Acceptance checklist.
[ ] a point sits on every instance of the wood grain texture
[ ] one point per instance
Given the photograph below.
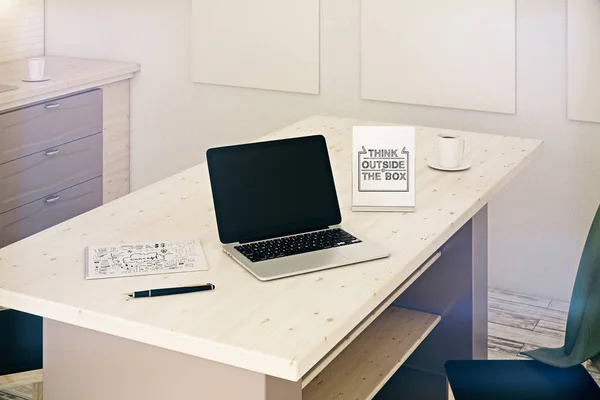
(516, 311)
(593, 370)
(527, 311)
(583, 81)
(37, 392)
(116, 148)
(551, 328)
(518, 298)
(22, 391)
(528, 347)
(381, 308)
(361, 370)
(434, 53)
(511, 319)
(499, 348)
(501, 355)
(21, 379)
(525, 336)
(69, 75)
(21, 29)
(503, 345)
(242, 323)
(559, 305)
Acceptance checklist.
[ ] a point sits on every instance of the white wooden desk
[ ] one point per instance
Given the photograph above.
(302, 337)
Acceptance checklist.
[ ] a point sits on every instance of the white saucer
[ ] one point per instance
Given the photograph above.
(44, 79)
(462, 167)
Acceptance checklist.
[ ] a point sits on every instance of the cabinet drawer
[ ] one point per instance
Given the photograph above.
(33, 177)
(42, 214)
(35, 128)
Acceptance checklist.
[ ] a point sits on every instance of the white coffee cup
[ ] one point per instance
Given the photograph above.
(451, 150)
(37, 68)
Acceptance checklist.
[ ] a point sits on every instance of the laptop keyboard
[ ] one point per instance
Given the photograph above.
(292, 245)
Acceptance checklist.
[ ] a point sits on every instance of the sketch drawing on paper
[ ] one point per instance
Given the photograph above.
(383, 170)
(144, 259)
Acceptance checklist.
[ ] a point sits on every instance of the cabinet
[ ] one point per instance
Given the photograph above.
(41, 214)
(51, 170)
(48, 152)
(41, 126)
(60, 167)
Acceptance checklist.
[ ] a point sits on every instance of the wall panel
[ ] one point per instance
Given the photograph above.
(265, 44)
(583, 60)
(456, 54)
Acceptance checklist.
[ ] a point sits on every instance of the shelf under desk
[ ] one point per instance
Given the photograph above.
(365, 366)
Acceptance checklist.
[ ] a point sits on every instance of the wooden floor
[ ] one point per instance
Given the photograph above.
(517, 323)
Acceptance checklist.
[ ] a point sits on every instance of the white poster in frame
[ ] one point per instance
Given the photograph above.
(456, 54)
(260, 44)
(383, 168)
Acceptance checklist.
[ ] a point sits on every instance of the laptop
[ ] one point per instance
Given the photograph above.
(277, 208)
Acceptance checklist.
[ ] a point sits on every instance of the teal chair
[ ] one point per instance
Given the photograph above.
(554, 373)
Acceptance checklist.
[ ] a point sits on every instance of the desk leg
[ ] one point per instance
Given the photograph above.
(479, 227)
(83, 364)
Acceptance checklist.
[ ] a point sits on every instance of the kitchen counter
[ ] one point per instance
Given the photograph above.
(68, 75)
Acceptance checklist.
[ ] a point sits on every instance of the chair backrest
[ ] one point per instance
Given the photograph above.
(583, 325)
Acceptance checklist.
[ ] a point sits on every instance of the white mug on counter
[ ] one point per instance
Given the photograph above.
(37, 68)
(451, 150)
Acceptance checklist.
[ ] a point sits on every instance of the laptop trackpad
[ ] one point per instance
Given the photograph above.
(317, 259)
(301, 263)
(329, 257)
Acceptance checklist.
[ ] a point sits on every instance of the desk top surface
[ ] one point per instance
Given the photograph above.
(67, 75)
(280, 328)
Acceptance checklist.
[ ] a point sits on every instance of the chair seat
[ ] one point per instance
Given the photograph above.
(518, 380)
(20, 342)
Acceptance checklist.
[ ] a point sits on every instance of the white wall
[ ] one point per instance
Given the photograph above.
(21, 29)
(538, 224)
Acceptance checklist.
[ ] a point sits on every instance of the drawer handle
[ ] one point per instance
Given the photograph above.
(51, 106)
(52, 152)
(52, 199)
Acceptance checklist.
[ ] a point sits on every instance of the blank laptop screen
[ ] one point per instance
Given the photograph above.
(270, 189)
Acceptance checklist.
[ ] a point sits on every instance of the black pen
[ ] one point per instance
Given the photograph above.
(171, 291)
